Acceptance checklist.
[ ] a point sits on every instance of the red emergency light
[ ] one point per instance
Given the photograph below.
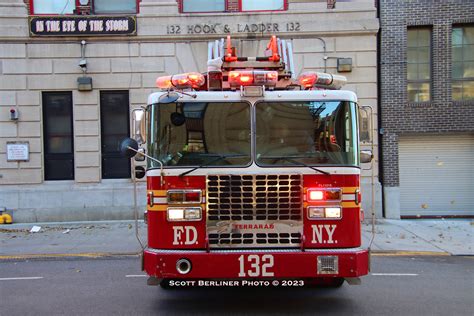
(312, 79)
(324, 195)
(252, 78)
(181, 81)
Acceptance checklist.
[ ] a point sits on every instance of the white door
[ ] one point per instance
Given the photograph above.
(436, 175)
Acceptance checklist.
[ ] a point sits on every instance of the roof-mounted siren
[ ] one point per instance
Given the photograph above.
(313, 79)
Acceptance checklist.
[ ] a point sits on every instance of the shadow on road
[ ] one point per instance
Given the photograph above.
(244, 300)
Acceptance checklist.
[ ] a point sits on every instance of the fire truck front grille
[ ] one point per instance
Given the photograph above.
(254, 197)
(226, 239)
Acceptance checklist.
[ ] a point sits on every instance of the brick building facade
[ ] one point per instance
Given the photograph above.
(418, 175)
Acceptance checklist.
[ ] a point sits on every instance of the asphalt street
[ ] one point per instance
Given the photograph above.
(397, 285)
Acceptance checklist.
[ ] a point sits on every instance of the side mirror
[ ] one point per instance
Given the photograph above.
(129, 147)
(366, 156)
(139, 125)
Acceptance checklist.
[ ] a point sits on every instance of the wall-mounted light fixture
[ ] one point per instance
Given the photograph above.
(84, 84)
(344, 64)
(14, 113)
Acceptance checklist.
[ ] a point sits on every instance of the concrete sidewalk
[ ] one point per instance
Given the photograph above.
(94, 239)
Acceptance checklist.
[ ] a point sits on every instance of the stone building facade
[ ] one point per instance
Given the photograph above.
(427, 107)
(69, 171)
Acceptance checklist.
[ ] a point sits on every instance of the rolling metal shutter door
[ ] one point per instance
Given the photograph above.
(436, 175)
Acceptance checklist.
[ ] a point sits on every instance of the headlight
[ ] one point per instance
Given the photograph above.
(333, 212)
(324, 212)
(184, 214)
(316, 212)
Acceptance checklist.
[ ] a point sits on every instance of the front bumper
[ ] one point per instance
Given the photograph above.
(251, 264)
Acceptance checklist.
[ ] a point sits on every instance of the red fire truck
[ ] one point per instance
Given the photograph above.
(252, 173)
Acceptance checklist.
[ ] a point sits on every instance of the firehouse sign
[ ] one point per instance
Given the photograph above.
(82, 25)
(18, 151)
(219, 28)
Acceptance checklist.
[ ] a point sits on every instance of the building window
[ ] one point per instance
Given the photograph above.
(203, 5)
(463, 63)
(114, 121)
(95, 6)
(116, 6)
(53, 7)
(263, 5)
(193, 6)
(58, 136)
(419, 65)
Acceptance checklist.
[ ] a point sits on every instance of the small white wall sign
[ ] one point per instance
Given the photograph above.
(18, 151)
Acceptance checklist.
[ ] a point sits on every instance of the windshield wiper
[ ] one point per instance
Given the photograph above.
(218, 158)
(290, 159)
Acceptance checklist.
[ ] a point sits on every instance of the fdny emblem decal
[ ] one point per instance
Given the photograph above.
(185, 235)
(323, 234)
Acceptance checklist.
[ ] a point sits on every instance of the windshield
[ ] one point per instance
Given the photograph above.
(308, 132)
(199, 134)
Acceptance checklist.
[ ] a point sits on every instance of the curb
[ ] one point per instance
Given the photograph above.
(94, 255)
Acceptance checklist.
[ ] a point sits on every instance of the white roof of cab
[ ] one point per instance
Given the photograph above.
(278, 95)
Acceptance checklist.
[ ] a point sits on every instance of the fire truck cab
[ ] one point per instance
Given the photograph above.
(252, 173)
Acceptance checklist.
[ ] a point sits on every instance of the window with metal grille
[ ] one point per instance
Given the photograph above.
(463, 63)
(114, 121)
(419, 64)
(58, 136)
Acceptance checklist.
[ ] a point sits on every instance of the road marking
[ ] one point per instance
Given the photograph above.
(136, 275)
(388, 253)
(93, 255)
(22, 278)
(395, 274)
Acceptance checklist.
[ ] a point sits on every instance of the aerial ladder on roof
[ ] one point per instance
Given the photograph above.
(278, 56)
(222, 58)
